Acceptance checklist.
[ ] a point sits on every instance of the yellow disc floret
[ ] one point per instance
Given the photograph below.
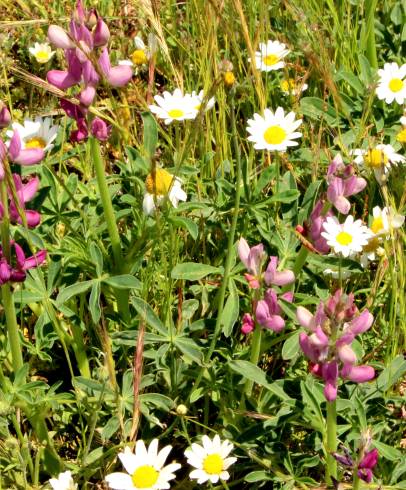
(175, 113)
(377, 224)
(229, 78)
(159, 183)
(396, 84)
(270, 59)
(376, 158)
(401, 137)
(213, 464)
(36, 142)
(274, 135)
(144, 476)
(344, 238)
(139, 57)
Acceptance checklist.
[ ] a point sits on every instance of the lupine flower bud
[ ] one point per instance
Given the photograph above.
(5, 117)
(100, 129)
(248, 324)
(59, 37)
(101, 34)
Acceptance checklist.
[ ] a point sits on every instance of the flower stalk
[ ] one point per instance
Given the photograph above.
(331, 443)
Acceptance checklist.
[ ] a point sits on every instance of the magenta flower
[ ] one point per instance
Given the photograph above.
(336, 318)
(17, 272)
(5, 117)
(100, 129)
(315, 227)
(28, 156)
(248, 324)
(253, 259)
(268, 312)
(272, 276)
(342, 183)
(25, 192)
(367, 464)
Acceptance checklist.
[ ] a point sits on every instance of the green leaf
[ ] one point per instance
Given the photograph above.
(316, 108)
(287, 196)
(124, 281)
(149, 315)
(73, 290)
(160, 401)
(352, 80)
(391, 374)
(231, 310)
(291, 346)
(256, 476)
(186, 223)
(189, 348)
(150, 139)
(311, 403)
(191, 271)
(388, 452)
(366, 74)
(97, 258)
(94, 302)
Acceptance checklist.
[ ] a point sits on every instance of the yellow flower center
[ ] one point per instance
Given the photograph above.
(401, 137)
(270, 59)
(36, 142)
(213, 464)
(396, 84)
(344, 238)
(160, 183)
(139, 57)
(229, 78)
(288, 85)
(377, 224)
(42, 56)
(274, 135)
(144, 476)
(376, 158)
(175, 113)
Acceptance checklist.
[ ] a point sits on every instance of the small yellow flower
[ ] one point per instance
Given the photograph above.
(42, 52)
(229, 78)
(139, 57)
(401, 137)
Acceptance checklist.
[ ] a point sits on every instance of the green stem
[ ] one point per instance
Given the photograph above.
(230, 245)
(331, 443)
(7, 295)
(370, 7)
(255, 353)
(121, 295)
(356, 482)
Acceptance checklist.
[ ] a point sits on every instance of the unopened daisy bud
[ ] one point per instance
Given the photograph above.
(59, 37)
(225, 65)
(5, 117)
(181, 410)
(229, 78)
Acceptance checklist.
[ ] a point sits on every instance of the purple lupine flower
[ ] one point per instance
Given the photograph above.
(25, 192)
(342, 183)
(315, 227)
(367, 464)
(100, 129)
(279, 278)
(253, 259)
(5, 117)
(28, 156)
(268, 312)
(248, 324)
(17, 272)
(339, 318)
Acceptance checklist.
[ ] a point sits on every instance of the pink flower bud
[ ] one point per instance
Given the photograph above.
(304, 317)
(361, 374)
(247, 324)
(59, 37)
(100, 129)
(120, 75)
(101, 34)
(87, 95)
(361, 323)
(5, 117)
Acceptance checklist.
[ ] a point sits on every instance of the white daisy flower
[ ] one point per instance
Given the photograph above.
(385, 220)
(164, 184)
(63, 482)
(291, 87)
(391, 84)
(371, 251)
(346, 238)
(145, 468)
(198, 99)
(379, 159)
(126, 63)
(270, 56)
(35, 134)
(274, 131)
(403, 120)
(42, 52)
(174, 107)
(210, 459)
